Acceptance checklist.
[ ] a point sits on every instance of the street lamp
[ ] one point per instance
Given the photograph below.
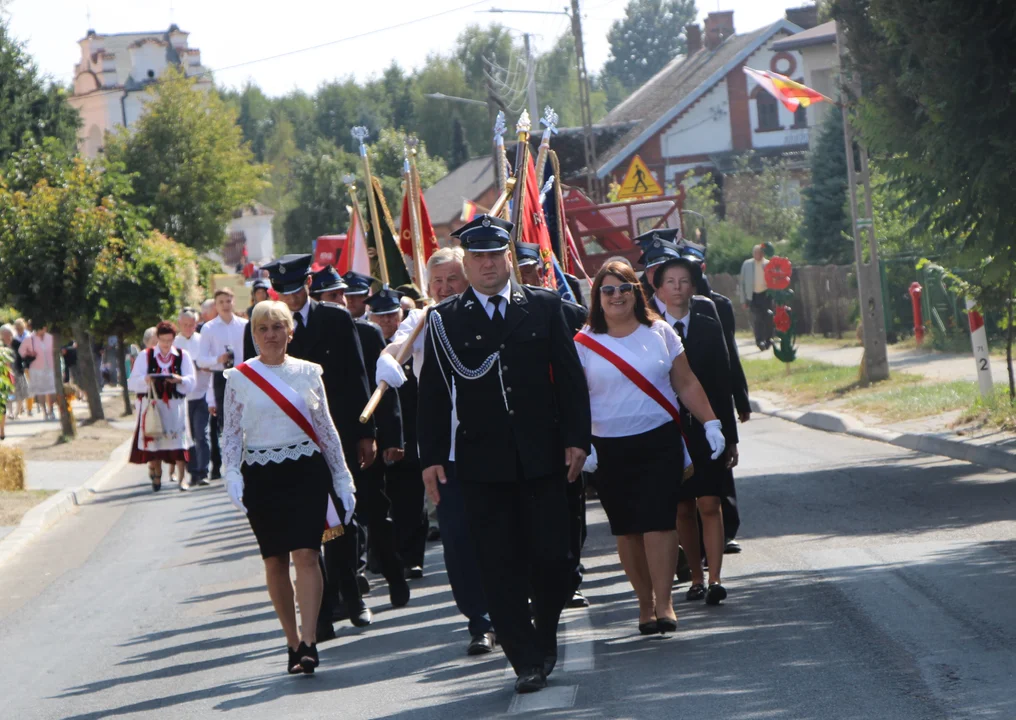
(452, 98)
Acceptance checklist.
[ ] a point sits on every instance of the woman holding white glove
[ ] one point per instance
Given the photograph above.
(285, 470)
(634, 364)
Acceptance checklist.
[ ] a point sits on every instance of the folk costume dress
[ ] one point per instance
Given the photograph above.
(639, 446)
(286, 475)
(174, 445)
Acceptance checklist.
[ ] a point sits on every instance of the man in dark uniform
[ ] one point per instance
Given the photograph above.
(508, 363)
(325, 334)
(373, 504)
(531, 270)
(258, 292)
(328, 286)
(403, 477)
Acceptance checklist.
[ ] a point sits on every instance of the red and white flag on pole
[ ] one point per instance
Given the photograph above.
(354, 254)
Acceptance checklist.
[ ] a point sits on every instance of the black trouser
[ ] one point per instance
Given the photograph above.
(521, 533)
(215, 429)
(728, 502)
(761, 320)
(338, 565)
(372, 511)
(404, 483)
(577, 527)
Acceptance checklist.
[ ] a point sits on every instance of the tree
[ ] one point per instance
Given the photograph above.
(826, 226)
(651, 34)
(189, 160)
(31, 107)
(51, 237)
(759, 201)
(460, 146)
(387, 155)
(322, 197)
(558, 84)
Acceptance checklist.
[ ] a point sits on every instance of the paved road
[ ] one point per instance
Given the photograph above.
(875, 583)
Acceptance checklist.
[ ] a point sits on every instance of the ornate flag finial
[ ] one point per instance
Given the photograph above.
(550, 120)
(360, 134)
(412, 141)
(524, 125)
(500, 128)
(349, 179)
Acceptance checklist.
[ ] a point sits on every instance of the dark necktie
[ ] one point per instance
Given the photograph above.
(496, 316)
(679, 326)
(299, 322)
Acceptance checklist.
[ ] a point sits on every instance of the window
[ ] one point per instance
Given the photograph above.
(768, 112)
(801, 117)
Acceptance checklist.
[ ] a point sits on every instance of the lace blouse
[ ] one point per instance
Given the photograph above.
(256, 431)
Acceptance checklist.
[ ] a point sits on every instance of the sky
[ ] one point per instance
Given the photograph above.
(247, 34)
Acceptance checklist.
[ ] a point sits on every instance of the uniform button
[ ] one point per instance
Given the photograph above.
(467, 343)
(502, 346)
(507, 389)
(534, 334)
(511, 412)
(504, 368)
(479, 337)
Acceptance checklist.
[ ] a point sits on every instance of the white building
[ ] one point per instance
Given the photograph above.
(250, 229)
(111, 79)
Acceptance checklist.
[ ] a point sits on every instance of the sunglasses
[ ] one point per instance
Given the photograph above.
(623, 288)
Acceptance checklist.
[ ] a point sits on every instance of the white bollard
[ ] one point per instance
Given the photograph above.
(979, 341)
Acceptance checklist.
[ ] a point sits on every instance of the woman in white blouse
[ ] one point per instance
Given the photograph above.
(169, 373)
(282, 456)
(637, 440)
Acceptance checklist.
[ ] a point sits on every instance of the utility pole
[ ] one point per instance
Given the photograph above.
(592, 182)
(874, 363)
(531, 79)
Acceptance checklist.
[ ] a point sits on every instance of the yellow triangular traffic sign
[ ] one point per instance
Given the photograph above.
(638, 182)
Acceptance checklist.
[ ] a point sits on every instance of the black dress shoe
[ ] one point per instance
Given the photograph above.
(666, 625)
(361, 617)
(325, 632)
(216, 475)
(414, 573)
(308, 657)
(695, 592)
(578, 600)
(481, 644)
(398, 592)
(715, 594)
(649, 628)
(731, 548)
(293, 667)
(531, 680)
(339, 612)
(363, 584)
(549, 663)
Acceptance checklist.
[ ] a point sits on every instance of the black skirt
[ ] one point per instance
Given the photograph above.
(711, 477)
(287, 502)
(638, 478)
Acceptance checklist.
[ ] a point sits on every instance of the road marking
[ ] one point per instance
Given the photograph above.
(551, 698)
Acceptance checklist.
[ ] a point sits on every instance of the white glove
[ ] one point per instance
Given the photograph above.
(591, 460)
(234, 487)
(714, 436)
(348, 499)
(389, 371)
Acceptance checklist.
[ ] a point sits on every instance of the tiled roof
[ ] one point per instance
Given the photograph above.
(469, 180)
(823, 34)
(676, 86)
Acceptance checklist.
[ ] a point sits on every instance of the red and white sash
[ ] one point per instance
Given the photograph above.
(291, 403)
(613, 356)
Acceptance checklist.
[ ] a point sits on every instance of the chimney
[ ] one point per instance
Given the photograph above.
(805, 16)
(693, 33)
(719, 26)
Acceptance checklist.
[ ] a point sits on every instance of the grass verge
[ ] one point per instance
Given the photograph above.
(997, 411)
(15, 503)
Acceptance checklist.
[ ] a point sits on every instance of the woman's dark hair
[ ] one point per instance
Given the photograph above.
(623, 272)
(165, 328)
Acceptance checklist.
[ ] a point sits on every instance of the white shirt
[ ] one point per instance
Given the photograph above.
(488, 306)
(671, 320)
(203, 378)
(618, 407)
(760, 276)
(215, 336)
(406, 328)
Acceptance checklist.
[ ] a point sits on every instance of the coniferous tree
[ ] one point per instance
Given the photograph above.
(826, 216)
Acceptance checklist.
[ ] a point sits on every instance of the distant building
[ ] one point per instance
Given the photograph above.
(111, 79)
(249, 236)
(473, 180)
(700, 112)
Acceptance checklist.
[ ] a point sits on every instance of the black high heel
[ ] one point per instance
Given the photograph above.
(650, 628)
(666, 625)
(308, 657)
(294, 667)
(156, 479)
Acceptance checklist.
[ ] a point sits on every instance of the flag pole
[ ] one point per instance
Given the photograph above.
(415, 217)
(549, 122)
(522, 127)
(360, 134)
(559, 206)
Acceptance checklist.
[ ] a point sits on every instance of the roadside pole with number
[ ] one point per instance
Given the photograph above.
(979, 341)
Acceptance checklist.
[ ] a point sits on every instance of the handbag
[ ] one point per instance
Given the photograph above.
(27, 360)
(151, 421)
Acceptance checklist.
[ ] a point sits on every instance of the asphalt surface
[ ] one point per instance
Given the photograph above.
(874, 583)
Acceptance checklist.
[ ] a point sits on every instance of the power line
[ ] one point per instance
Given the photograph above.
(288, 53)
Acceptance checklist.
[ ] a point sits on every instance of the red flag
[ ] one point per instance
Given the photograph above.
(534, 226)
(354, 254)
(426, 231)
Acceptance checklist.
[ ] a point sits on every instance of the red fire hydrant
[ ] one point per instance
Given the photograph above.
(915, 298)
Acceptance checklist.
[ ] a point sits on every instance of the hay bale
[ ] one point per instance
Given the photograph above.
(12, 469)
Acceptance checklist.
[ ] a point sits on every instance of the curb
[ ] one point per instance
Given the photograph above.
(51, 511)
(919, 442)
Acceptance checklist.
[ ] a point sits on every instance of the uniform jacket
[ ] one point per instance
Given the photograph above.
(738, 382)
(331, 340)
(706, 350)
(544, 389)
(388, 416)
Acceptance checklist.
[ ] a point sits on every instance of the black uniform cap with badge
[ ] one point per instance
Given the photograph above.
(289, 273)
(385, 301)
(326, 280)
(260, 284)
(527, 253)
(664, 248)
(358, 283)
(484, 233)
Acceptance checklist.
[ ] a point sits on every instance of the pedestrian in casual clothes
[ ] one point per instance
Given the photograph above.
(167, 374)
(197, 404)
(7, 356)
(283, 458)
(754, 295)
(18, 369)
(635, 363)
(221, 347)
(37, 351)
